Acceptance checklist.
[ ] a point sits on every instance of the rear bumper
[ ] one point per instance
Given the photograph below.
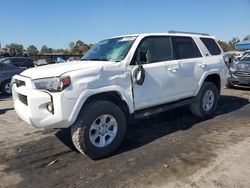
(31, 106)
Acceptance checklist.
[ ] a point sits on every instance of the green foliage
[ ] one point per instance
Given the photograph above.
(230, 45)
(32, 50)
(15, 49)
(45, 49)
(78, 47)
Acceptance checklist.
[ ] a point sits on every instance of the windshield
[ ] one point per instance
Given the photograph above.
(114, 49)
(245, 57)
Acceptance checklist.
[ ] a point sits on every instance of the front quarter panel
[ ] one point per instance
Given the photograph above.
(99, 80)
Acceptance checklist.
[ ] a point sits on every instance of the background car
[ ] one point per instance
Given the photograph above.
(6, 73)
(40, 62)
(74, 59)
(240, 73)
(18, 61)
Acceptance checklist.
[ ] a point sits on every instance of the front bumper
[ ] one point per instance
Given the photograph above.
(239, 80)
(31, 105)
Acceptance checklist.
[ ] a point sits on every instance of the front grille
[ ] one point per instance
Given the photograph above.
(19, 83)
(23, 98)
(242, 74)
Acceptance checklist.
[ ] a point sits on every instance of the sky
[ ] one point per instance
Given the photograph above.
(56, 23)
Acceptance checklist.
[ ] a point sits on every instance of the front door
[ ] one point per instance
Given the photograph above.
(161, 73)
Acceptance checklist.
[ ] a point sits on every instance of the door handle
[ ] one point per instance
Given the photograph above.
(174, 67)
(202, 65)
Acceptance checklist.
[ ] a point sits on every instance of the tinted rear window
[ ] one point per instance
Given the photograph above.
(211, 45)
(185, 48)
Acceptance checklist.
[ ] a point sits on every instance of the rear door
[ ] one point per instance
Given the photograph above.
(191, 65)
(161, 73)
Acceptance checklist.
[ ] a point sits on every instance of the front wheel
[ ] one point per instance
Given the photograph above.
(99, 129)
(6, 87)
(207, 101)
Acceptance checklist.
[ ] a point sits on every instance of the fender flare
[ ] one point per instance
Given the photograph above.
(204, 76)
(91, 92)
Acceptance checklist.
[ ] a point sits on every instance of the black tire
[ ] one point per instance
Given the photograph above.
(80, 130)
(3, 87)
(197, 108)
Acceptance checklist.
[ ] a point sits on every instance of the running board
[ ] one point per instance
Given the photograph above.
(164, 107)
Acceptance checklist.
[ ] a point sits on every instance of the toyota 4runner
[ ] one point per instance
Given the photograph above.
(120, 79)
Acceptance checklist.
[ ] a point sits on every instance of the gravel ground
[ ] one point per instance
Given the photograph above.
(173, 149)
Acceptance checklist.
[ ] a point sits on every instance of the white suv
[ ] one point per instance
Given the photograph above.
(120, 79)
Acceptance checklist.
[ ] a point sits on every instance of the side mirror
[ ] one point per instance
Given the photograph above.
(138, 75)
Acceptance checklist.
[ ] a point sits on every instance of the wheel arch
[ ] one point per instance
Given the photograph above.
(213, 77)
(111, 95)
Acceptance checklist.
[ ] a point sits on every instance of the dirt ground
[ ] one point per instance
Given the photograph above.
(173, 149)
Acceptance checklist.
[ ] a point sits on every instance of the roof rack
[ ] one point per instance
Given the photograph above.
(183, 32)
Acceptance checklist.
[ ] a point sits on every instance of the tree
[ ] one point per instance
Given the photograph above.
(233, 42)
(246, 38)
(230, 46)
(71, 46)
(32, 50)
(79, 47)
(224, 46)
(45, 49)
(15, 49)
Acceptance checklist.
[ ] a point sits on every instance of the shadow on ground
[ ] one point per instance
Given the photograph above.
(50, 161)
(147, 130)
(4, 97)
(4, 110)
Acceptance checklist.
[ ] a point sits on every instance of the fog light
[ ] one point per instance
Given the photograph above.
(50, 107)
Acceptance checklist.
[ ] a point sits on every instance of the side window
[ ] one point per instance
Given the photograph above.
(6, 61)
(186, 48)
(211, 45)
(29, 63)
(155, 49)
(19, 62)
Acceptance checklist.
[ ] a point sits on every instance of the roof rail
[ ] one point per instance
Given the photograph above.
(183, 32)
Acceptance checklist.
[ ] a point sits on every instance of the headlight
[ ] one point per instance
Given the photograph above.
(55, 84)
(232, 69)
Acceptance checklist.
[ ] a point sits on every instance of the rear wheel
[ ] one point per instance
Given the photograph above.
(99, 129)
(207, 101)
(6, 87)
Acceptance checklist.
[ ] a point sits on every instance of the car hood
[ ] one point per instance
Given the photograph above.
(61, 68)
(242, 66)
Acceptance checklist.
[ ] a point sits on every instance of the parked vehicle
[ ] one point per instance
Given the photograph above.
(74, 59)
(121, 79)
(60, 59)
(6, 73)
(18, 61)
(40, 62)
(240, 73)
(241, 55)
